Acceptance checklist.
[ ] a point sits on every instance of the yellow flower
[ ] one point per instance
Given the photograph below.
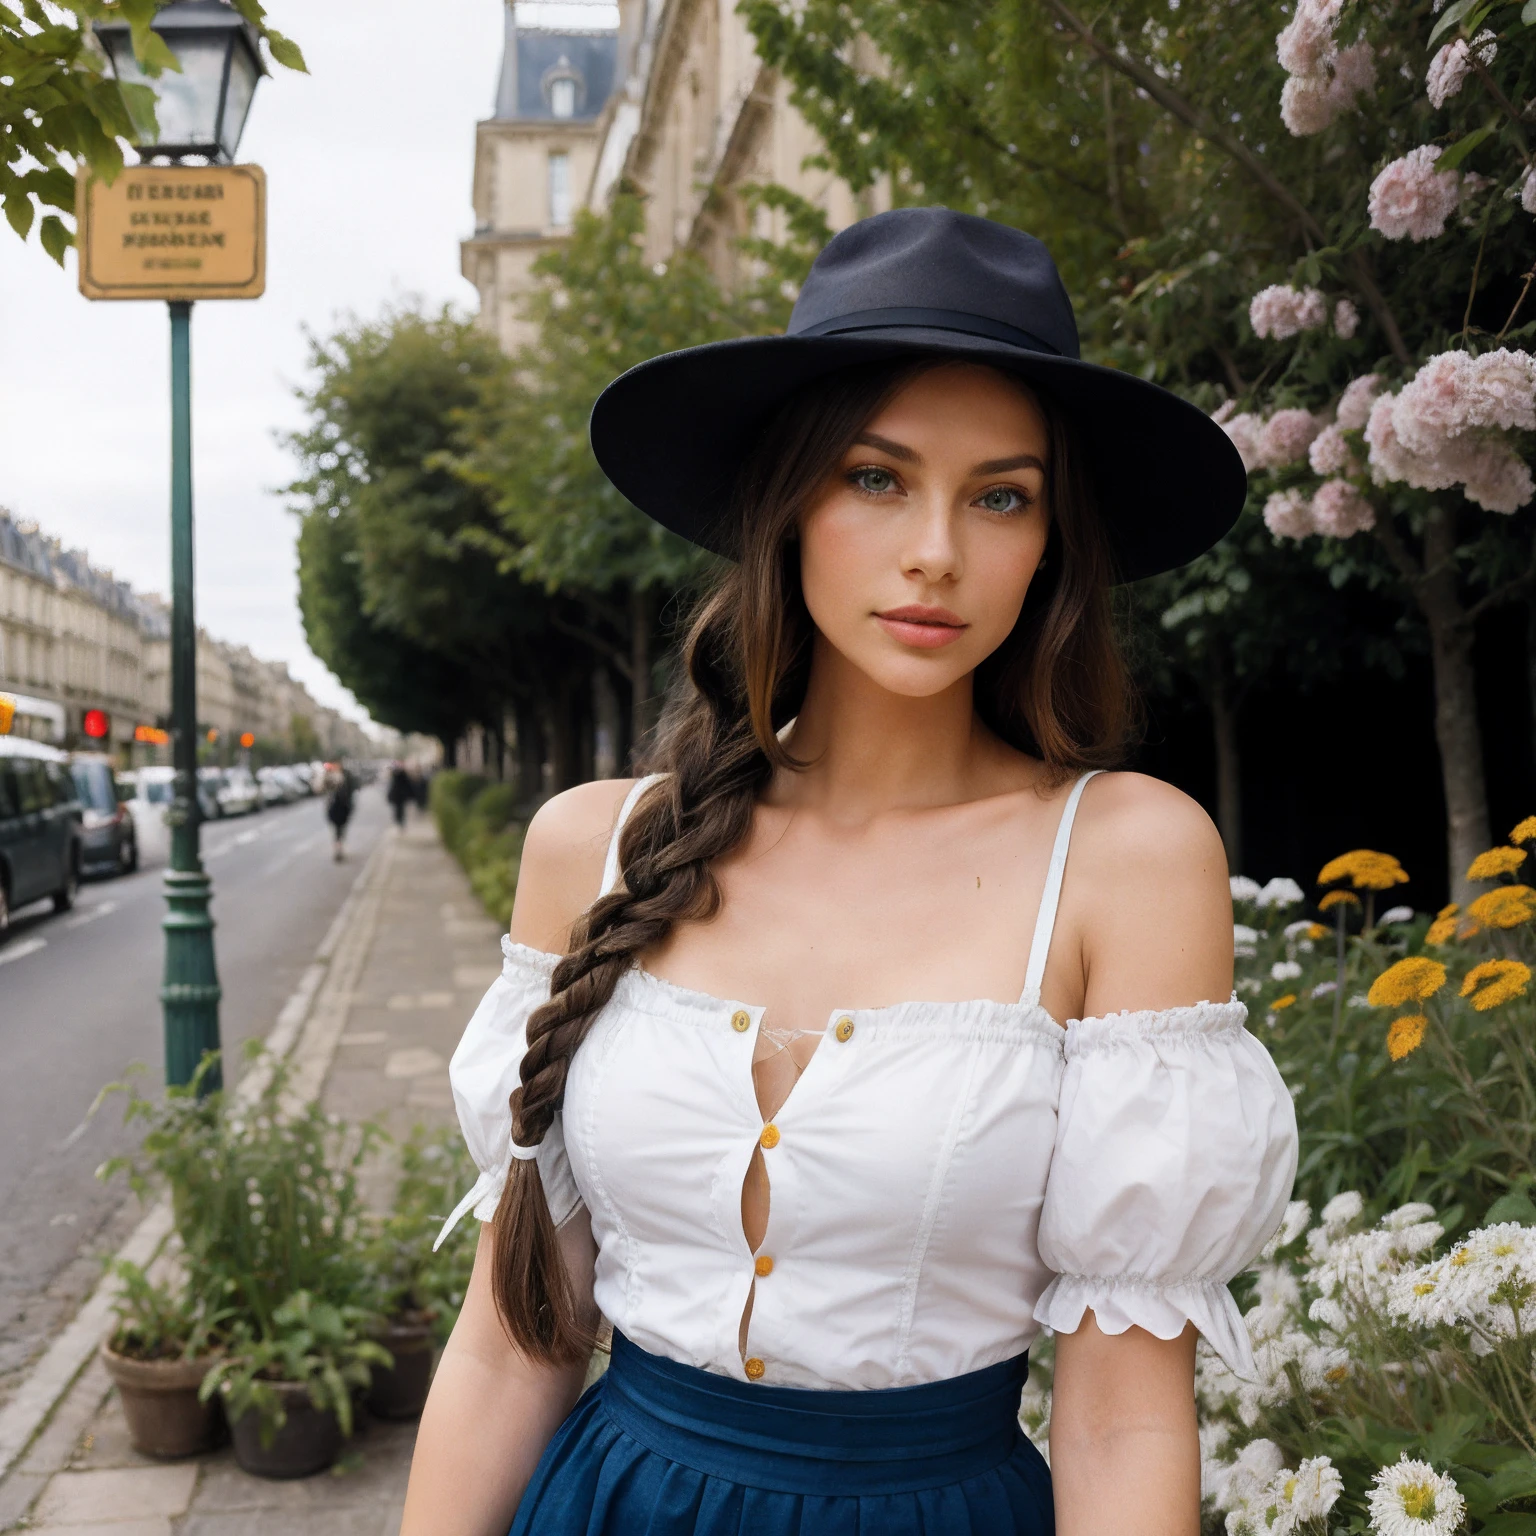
(1525, 832)
(1317, 931)
(1441, 931)
(1496, 862)
(1449, 910)
(1499, 981)
(1283, 1002)
(1406, 1035)
(1365, 869)
(1407, 981)
(1507, 906)
(1339, 899)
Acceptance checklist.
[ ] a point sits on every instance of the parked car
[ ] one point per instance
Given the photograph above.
(149, 793)
(109, 838)
(209, 782)
(239, 794)
(40, 832)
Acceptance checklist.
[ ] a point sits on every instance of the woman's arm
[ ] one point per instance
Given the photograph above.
(1148, 899)
(1125, 1454)
(491, 1412)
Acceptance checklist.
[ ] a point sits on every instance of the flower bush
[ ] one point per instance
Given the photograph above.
(1393, 1315)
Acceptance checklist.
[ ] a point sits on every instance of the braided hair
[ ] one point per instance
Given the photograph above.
(1056, 687)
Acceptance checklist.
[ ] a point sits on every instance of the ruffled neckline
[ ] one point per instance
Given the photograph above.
(1077, 1035)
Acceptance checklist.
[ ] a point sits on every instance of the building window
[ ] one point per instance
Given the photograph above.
(559, 190)
(562, 97)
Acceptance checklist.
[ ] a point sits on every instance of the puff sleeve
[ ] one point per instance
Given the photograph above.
(1175, 1155)
(483, 1073)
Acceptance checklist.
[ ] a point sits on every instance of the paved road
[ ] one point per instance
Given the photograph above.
(79, 1004)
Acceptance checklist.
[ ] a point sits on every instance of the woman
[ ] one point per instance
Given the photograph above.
(338, 810)
(825, 1221)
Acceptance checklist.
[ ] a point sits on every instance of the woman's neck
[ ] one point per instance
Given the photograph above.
(871, 750)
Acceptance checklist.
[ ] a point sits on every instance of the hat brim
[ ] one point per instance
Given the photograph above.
(672, 433)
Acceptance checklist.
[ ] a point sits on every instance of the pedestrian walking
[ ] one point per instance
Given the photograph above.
(400, 793)
(826, 1221)
(338, 809)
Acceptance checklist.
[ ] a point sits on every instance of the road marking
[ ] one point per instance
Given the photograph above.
(90, 914)
(246, 838)
(279, 864)
(22, 950)
(414, 1061)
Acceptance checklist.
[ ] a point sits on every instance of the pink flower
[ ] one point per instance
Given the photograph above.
(1288, 515)
(1354, 408)
(1286, 437)
(1433, 405)
(1306, 107)
(1330, 453)
(1528, 191)
(1498, 479)
(1244, 431)
(1500, 391)
(1339, 510)
(1346, 319)
(1305, 44)
(1410, 197)
(1354, 73)
(1279, 311)
(1450, 67)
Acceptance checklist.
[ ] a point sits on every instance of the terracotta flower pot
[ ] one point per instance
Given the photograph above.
(308, 1442)
(401, 1392)
(160, 1403)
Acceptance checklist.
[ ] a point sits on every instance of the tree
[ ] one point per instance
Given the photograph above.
(1228, 176)
(61, 108)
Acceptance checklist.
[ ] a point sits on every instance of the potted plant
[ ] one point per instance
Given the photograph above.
(264, 1193)
(164, 1344)
(418, 1292)
(288, 1394)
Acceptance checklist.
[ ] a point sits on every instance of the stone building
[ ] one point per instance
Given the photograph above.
(535, 157)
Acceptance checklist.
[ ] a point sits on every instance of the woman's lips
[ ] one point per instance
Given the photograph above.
(926, 628)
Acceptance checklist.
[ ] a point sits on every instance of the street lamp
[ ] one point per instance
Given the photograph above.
(200, 112)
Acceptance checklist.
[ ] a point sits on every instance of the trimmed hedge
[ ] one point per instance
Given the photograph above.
(475, 820)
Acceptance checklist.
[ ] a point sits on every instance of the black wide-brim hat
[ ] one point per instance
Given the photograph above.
(673, 432)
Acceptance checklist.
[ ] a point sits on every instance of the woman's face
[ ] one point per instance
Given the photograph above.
(916, 552)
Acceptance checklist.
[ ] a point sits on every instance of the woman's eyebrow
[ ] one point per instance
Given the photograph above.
(885, 445)
(1002, 466)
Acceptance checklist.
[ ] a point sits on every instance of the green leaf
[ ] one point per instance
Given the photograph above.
(1515, 1206)
(286, 52)
(19, 212)
(1463, 147)
(55, 236)
(1510, 1525)
(1452, 15)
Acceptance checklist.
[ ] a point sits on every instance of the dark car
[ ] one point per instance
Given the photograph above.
(109, 841)
(40, 832)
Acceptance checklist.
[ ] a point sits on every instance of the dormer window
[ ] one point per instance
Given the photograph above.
(564, 88)
(562, 96)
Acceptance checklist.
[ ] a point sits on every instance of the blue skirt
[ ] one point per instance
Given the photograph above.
(655, 1448)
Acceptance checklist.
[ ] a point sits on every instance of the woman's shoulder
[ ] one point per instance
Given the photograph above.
(561, 868)
(1144, 823)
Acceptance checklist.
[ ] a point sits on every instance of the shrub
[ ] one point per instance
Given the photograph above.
(476, 822)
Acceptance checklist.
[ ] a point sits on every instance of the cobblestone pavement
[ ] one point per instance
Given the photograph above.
(430, 956)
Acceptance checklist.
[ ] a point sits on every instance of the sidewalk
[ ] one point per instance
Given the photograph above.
(413, 957)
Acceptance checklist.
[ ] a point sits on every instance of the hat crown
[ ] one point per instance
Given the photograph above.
(937, 260)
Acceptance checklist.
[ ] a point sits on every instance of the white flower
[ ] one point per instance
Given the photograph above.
(1280, 892)
(1244, 889)
(1288, 515)
(1412, 1499)
(1315, 1488)
(1284, 970)
(1244, 939)
(1298, 929)
(1251, 1470)
(1397, 915)
(1345, 319)
(1297, 1214)
(1323, 988)
(1343, 1209)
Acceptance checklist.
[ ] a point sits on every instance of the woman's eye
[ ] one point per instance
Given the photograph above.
(1003, 498)
(875, 482)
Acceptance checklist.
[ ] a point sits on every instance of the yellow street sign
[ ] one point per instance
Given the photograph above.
(173, 232)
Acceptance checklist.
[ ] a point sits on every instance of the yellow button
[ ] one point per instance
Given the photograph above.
(741, 1021)
(770, 1136)
(844, 1030)
(764, 1265)
(755, 1369)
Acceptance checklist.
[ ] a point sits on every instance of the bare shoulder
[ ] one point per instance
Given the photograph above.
(562, 861)
(1147, 828)
(1148, 894)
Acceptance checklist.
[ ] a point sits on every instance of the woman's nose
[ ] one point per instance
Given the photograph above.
(932, 548)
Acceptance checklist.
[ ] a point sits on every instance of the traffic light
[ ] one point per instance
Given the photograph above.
(247, 740)
(97, 724)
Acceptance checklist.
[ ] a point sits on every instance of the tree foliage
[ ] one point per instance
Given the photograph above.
(61, 108)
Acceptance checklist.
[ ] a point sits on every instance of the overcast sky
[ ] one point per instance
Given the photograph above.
(368, 162)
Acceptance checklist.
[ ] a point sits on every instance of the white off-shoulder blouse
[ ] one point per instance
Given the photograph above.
(944, 1178)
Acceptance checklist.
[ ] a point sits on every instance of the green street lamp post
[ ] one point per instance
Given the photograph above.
(200, 113)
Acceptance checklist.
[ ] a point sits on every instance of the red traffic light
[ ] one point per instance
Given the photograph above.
(97, 724)
(247, 740)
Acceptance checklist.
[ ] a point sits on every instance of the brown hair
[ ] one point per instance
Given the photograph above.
(1056, 687)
